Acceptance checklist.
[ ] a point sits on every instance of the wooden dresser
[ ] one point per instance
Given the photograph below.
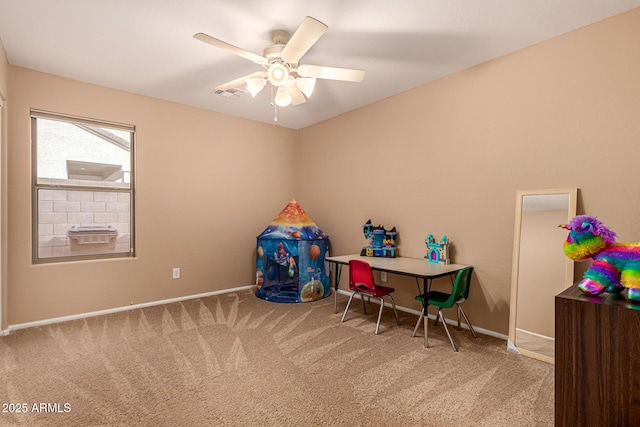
(597, 363)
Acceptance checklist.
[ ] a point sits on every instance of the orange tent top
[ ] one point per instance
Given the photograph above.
(293, 223)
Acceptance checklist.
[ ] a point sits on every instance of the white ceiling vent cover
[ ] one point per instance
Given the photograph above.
(229, 93)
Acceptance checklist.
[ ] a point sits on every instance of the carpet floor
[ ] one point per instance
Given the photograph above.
(236, 360)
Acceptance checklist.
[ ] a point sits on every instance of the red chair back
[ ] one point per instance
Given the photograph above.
(361, 276)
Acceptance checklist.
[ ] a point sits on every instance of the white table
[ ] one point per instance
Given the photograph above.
(419, 268)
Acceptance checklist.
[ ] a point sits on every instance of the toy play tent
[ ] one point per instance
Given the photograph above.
(290, 255)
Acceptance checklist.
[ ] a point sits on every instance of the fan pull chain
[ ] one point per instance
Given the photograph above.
(273, 102)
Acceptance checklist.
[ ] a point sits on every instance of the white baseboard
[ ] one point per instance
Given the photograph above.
(117, 310)
(433, 317)
(44, 322)
(512, 347)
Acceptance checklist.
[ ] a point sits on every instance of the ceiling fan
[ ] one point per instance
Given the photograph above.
(294, 82)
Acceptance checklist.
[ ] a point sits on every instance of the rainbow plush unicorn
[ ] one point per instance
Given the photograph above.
(615, 267)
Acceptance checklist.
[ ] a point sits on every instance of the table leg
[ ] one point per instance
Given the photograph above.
(426, 332)
(425, 305)
(336, 277)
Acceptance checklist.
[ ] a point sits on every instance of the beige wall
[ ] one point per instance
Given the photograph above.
(445, 158)
(448, 157)
(4, 72)
(207, 184)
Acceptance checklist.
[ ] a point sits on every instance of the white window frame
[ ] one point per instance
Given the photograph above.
(84, 187)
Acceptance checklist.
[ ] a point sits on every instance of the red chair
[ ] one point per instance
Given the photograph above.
(361, 282)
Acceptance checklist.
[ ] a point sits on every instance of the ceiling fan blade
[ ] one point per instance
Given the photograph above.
(301, 41)
(331, 73)
(240, 81)
(297, 97)
(230, 48)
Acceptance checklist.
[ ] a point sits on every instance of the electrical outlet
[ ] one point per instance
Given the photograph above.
(176, 273)
(383, 276)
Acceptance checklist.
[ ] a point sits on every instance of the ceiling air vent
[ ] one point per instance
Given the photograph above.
(229, 93)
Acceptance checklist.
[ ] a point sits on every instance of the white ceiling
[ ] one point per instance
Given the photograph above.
(147, 46)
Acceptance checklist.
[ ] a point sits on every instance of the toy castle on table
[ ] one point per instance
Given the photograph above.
(382, 242)
(437, 252)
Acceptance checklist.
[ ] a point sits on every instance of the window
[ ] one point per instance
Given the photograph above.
(83, 195)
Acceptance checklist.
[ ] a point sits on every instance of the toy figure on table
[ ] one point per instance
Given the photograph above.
(616, 266)
(382, 242)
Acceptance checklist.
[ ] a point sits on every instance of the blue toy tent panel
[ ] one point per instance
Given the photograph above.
(292, 270)
(290, 259)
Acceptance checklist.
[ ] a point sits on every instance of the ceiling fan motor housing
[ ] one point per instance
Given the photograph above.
(273, 53)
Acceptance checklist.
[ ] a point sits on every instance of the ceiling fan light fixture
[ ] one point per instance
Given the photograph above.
(282, 99)
(255, 85)
(277, 74)
(306, 85)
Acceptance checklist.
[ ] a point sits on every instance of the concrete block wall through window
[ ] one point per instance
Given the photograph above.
(83, 188)
(60, 210)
